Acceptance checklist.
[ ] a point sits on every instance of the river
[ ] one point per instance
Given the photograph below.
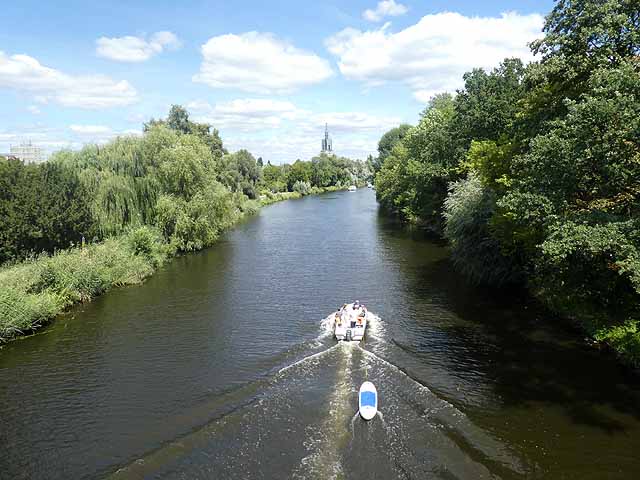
(220, 367)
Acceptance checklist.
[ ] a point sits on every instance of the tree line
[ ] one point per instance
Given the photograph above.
(532, 172)
(176, 178)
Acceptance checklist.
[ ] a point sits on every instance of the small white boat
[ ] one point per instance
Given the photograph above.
(368, 401)
(350, 322)
(352, 188)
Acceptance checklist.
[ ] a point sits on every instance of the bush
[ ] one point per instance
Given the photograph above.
(148, 242)
(467, 211)
(34, 291)
(303, 188)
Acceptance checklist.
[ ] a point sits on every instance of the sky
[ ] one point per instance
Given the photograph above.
(267, 75)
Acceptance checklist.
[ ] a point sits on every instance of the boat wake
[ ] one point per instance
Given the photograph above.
(413, 407)
(301, 421)
(308, 358)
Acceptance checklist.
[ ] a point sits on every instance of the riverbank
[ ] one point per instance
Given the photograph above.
(269, 197)
(34, 291)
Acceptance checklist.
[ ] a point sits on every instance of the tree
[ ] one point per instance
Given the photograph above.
(468, 208)
(430, 162)
(178, 119)
(387, 142)
(581, 36)
(323, 173)
(487, 107)
(300, 172)
(42, 208)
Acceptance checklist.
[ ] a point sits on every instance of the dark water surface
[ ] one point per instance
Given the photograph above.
(219, 367)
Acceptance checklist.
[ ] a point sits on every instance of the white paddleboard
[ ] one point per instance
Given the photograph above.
(368, 400)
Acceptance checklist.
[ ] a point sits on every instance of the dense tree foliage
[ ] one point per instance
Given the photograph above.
(322, 171)
(535, 170)
(42, 207)
(387, 142)
(176, 178)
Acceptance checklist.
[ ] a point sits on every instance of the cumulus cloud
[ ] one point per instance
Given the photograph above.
(26, 74)
(90, 129)
(385, 8)
(247, 114)
(355, 122)
(280, 131)
(83, 134)
(432, 55)
(136, 49)
(259, 63)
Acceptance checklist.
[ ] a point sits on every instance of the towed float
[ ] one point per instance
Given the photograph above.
(368, 401)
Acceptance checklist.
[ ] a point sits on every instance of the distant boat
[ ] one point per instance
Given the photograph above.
(369, 185)
(352, 188)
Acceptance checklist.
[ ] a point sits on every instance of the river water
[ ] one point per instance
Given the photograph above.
(220, 367)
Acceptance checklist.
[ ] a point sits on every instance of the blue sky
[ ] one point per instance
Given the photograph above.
(268, 75)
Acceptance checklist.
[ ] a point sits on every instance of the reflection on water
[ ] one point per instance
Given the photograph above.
(221, 367)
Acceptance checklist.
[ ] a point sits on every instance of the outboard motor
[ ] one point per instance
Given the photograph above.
(347, 337)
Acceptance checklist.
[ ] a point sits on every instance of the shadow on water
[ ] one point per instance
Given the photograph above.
(516, 370)
(540, 358)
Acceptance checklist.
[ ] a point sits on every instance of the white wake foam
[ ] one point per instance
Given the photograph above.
(307, 358)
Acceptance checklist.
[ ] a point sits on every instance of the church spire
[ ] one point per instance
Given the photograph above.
(327, 146)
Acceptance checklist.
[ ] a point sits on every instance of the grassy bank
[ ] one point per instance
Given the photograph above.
(268, 197)
(620, 334)
(34, 291)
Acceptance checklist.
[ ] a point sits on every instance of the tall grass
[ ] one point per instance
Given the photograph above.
(36, 290)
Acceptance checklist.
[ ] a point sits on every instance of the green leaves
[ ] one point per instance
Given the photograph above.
(551, 156)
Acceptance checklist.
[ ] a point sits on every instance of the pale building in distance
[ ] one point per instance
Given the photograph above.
(27, 152)
(327, 146)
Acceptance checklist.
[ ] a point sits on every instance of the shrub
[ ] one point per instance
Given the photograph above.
(303, 188)
(467, 211)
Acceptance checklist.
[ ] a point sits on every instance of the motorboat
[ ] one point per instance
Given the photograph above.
(350, 322)
(352, 188)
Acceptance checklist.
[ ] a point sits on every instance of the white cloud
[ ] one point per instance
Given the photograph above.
(34, 109)
(432, 55)
(90, 129)
(259, 63)
(98, 134)
(26, 74)
(136, 49)
(385, 8)
(355, 122)
(46, 138)
(247, 114)
(280, 131)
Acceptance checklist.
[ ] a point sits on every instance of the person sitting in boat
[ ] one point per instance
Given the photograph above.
(338, 319)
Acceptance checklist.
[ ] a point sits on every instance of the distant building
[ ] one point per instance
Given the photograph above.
(27, 152)
(327, 146)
